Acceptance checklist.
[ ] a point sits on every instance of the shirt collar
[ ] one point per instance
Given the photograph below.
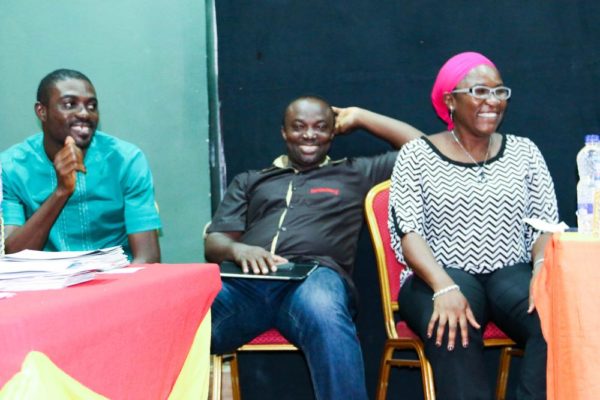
(283, 162)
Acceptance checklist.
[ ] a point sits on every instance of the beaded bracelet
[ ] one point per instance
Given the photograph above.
(445, 290)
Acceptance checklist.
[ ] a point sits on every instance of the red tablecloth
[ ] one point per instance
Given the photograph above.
(123, 336)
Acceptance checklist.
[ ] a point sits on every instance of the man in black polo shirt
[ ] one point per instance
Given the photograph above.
(303, 207)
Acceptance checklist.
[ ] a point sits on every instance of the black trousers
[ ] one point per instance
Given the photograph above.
(502, 297)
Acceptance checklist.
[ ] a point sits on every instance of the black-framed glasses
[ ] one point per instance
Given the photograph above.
(484, 92)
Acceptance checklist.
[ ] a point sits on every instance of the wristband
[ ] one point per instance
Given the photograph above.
(538, 262)
(445, 290)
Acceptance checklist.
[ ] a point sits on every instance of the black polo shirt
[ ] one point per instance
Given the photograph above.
(315, 214)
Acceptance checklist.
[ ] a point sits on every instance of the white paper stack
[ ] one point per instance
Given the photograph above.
(43, 270)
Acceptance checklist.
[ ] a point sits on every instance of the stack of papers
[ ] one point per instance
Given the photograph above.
(43, 270)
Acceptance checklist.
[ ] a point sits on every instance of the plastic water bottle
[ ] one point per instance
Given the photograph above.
(588, 161)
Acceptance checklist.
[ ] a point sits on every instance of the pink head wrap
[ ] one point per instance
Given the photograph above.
(451, 73)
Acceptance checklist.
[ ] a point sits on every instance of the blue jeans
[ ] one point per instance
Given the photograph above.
(315, 314)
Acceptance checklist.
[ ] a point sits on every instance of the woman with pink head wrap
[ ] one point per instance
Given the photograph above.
(457, 203)
(451, 73)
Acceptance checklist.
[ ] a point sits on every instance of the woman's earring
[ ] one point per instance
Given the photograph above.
(451, 114)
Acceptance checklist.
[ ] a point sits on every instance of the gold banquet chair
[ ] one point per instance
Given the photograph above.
(270, 340)
(399, 335)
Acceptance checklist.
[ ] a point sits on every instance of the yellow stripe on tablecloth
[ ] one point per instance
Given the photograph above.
(39, 378)
(193, 380)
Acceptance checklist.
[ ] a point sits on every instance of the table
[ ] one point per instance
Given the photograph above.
(120, 335)
(567, 297)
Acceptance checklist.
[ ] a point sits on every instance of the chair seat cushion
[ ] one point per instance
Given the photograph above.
(272, 336)
(404, 332)
(493, 332)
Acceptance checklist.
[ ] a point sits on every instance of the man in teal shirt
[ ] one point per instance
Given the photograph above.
(72, 187)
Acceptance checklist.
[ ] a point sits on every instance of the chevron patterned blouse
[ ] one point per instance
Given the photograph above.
(471, 225)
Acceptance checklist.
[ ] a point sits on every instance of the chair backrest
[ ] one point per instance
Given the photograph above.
(388, 267)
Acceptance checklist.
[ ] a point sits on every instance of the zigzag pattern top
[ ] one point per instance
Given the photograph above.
(472, 225)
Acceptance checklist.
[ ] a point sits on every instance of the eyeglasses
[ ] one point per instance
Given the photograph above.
(484, 92)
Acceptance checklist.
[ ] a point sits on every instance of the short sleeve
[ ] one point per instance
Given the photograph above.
(13, 210)
(377, 168)
(406, 202)
(231, 213)
(141, 213)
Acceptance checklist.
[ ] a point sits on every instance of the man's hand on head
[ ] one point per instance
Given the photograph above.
(346, 119)
(67, 162)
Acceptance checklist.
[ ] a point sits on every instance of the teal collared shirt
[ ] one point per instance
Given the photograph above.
(113, 199)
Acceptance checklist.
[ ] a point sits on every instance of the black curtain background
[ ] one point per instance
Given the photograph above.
(384, 55)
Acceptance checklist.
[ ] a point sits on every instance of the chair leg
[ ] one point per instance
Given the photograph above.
(503, 369)
(427, 376)
(217, 370)
(235, 378)
(384, 372)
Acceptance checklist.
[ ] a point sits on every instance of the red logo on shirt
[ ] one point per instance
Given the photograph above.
(335, 192)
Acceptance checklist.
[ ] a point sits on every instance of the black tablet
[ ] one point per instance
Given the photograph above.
(287, 271)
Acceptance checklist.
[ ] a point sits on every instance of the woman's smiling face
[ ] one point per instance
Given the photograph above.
(475, 116)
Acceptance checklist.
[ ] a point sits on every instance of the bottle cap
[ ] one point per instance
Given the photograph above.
(591, 139)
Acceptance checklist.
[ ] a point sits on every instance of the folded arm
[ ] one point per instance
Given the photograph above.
(34, 233)
(391, 130)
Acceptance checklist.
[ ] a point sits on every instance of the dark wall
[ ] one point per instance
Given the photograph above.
(384, 56)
